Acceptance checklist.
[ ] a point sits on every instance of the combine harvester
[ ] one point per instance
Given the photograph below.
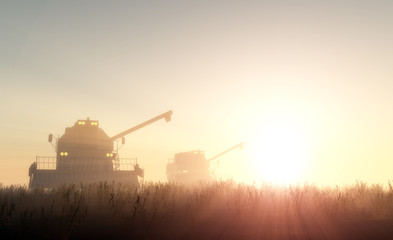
(86, 154)
(192, 166)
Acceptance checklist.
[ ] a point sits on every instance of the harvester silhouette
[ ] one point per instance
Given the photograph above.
(192, 166)
(86, 154)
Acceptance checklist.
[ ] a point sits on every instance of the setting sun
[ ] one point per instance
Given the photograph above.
(279, 153)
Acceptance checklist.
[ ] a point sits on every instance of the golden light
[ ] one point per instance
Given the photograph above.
(279, 152)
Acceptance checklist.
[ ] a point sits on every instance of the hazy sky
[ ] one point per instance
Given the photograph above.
(309, 75)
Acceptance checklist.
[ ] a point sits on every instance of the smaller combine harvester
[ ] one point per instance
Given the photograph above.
(86, 154)
(192, 166)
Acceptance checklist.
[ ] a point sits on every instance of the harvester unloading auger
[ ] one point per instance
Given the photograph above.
(192, 166)
(86, 154)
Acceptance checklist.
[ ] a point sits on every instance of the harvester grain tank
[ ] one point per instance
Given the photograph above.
(192, 166)
(86, 154)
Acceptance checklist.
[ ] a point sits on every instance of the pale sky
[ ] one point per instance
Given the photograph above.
(308, 80)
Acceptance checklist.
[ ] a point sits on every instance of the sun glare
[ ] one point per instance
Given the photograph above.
(278, 153)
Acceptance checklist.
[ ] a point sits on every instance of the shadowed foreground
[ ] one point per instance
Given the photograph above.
(206, 211)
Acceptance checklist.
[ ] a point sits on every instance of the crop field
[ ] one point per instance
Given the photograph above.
(216, 210)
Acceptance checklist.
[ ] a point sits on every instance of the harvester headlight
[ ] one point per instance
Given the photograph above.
(63, 153)
(109, 154)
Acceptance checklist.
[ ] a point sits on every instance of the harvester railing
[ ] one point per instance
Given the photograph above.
(45, 162)
(120, 164)
(124, 164)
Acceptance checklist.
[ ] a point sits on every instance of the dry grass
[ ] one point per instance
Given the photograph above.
(218, 210)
